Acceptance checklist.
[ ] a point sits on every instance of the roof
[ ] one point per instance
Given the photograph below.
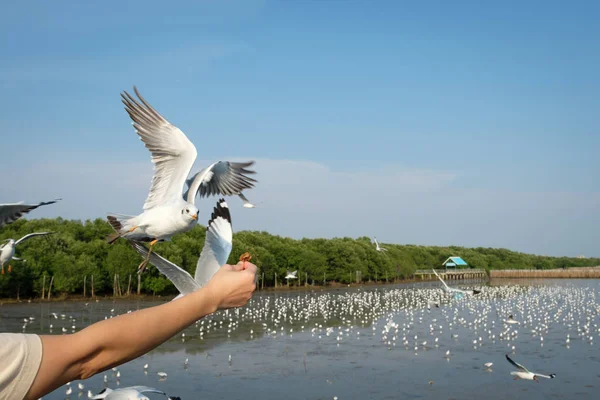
(454, 261)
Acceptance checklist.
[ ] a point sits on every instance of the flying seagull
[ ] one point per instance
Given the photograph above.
(452, 290)
(11, 212)
(128, 393)
(215, 252)
(377, 247)
(511, 321)
(166, 210)
(523, 373)
(291, 275)
(247, 203)
(7, 250)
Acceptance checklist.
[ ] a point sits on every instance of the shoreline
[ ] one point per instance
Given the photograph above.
(570, 273)
(283, 288)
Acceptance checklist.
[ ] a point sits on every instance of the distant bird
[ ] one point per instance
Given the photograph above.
(523, 373)
(452, 290)
(247, 203)
(511, 320)
(162, 374)
(166, 211)
(216, 250)
(377, 247)
(11, 212)
(128, 393)
(7, 250)
(488, 364)
(291, 275)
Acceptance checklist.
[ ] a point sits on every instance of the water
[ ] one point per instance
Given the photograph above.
(348, 343)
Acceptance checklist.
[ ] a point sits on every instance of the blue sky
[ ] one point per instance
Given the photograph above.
(426, 122)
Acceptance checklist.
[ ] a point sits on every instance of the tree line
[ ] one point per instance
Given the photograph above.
(78, 249)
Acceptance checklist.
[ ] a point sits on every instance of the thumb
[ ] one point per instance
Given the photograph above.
(238, 267)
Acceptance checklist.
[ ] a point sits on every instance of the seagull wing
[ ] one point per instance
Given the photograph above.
(147, 389)
(173, 154)
(516, 364)
(440, 278)
(13, 211)
(102, 394)
(217, 245)
(27, 237)
(182, 280)
(551, 376)
(221, 178)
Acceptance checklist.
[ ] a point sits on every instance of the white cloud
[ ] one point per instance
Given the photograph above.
(306, 198)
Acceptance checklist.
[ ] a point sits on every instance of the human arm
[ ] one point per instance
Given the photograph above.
(114, 341)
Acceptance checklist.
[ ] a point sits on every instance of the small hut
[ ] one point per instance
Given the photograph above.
(454, 262)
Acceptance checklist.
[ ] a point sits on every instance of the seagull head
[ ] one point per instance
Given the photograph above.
(190, 213)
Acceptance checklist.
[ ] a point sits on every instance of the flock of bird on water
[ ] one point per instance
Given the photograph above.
(166, 213)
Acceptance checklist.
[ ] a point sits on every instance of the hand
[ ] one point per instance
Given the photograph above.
(232, 285)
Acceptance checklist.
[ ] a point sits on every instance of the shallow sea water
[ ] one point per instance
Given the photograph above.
(339, 343)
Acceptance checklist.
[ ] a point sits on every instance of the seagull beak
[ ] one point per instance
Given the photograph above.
(195, 217)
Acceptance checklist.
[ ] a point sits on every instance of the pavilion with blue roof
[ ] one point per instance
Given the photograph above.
(454, 262)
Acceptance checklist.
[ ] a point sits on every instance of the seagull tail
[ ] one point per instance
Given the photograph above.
(476, 291)
(120, 224)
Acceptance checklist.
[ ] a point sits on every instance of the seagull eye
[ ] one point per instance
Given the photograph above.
(187, 210)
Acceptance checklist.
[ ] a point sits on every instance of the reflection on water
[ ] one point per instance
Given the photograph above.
(355, 343)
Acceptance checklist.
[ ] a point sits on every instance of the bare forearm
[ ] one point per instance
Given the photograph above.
(115, 341)
(123, 338)
(120, 339)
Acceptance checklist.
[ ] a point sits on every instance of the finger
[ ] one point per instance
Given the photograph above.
(239, 266)
(251, 267)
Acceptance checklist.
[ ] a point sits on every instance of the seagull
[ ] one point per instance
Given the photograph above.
(132, 392)
(488, 364)
(291, 275)
(523, 373)
(247, 203)
(217, 246)
(7, 250)
(449, 289)
(166, 210)
(11, 212)
(511, 321)
(377, 247)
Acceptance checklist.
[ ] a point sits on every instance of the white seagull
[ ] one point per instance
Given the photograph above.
(377, 247)
(247, 203)
(452, 290)
(166, 210)
(511, 321)
(11, 212)
(7, 250)
(291, 275)
(523, 373)
(216, 250)
(128, 393)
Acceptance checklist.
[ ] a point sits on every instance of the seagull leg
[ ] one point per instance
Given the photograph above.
(2, 273)
(9, 268)
(144, 263)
